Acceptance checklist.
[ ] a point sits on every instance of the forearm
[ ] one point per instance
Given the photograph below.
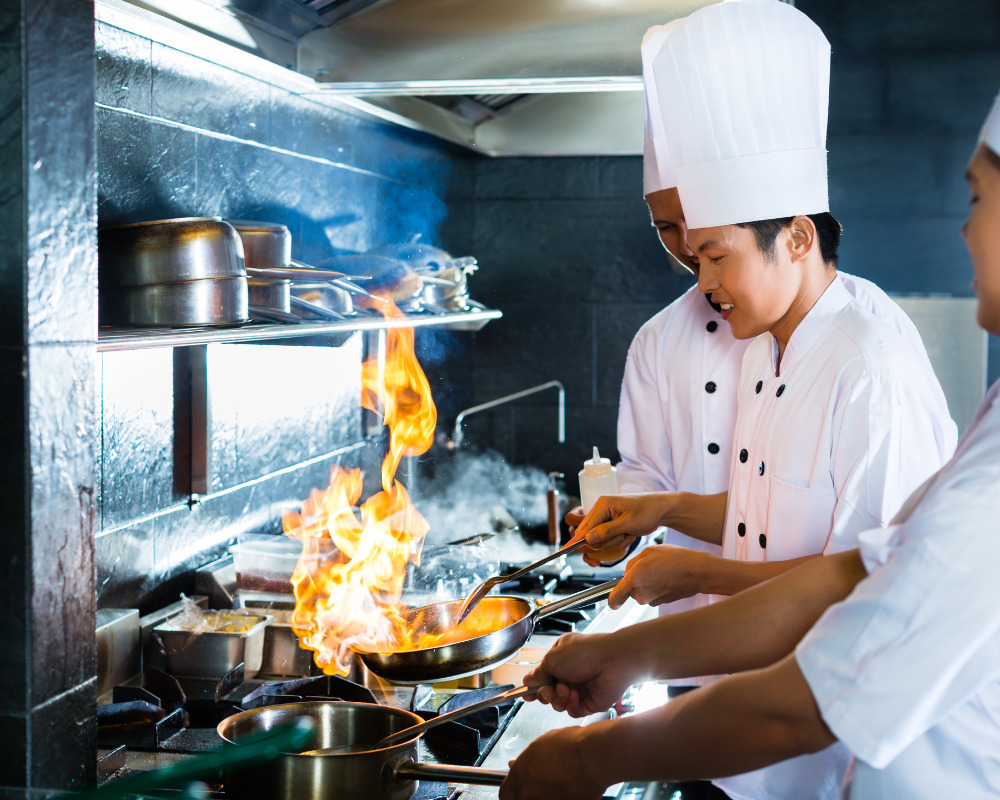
(724, 576)
(750, 630)
(701, 516)
(738, 724)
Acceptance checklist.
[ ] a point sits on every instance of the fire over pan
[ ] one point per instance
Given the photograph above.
(355, 765)
(511, 620)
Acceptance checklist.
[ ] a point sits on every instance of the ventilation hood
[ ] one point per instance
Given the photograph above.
(503, 77)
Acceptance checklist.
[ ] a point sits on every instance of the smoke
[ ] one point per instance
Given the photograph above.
(478, 492)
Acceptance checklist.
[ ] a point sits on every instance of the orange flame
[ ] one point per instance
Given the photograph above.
(350, 575)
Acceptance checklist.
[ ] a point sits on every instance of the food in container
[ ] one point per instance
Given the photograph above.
(265, 563)
(212, 643)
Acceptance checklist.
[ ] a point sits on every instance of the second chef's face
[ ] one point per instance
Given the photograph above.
(758, 291)
(668, 218)
(981, 232)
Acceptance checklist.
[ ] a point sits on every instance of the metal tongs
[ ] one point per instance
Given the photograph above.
(484, 588)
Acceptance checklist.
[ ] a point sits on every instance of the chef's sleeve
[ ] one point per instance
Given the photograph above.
(920, 635)
(886, 441)
(646, 460)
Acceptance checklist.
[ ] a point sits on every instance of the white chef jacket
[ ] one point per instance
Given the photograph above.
(679, 397)
(906, 671)
(678, 408)
(828, 448)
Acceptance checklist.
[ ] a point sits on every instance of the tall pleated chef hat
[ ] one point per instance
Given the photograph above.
(990, 134)
(657, 171)
(747, 84)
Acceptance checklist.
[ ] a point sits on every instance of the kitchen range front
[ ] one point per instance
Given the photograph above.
(350, 617)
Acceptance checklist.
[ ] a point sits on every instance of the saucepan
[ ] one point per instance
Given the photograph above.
(464, 649)
(354, 764)
(267, 247)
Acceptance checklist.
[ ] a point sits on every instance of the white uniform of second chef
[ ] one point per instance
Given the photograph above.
(906, 671)
(828, 445)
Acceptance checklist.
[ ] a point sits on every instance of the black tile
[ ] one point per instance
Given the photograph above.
(537, 178)
(61, 199)
(124, 71)
(125, 565)
(13, 479)
(618, 325)
(69, 720)
(62, 440)
(207, 96)
(14, 754)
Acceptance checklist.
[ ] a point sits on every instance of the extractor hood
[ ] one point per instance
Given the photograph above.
(498, 76)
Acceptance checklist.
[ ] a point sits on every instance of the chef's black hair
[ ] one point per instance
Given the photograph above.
(765, 231)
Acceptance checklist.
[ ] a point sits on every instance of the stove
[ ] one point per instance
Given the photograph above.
(158, 719)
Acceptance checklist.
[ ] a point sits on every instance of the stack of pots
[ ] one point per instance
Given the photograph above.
(267, 247)
(172, 273)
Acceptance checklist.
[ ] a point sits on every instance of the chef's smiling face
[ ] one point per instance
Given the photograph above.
(981, 232)
(758, 291)
(668, 218)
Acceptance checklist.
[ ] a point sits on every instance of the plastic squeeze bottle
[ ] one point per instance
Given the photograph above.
(597, 478)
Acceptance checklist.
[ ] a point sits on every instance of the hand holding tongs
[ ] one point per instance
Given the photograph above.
(483, 589)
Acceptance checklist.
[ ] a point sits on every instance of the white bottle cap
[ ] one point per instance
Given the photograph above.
(597, 466)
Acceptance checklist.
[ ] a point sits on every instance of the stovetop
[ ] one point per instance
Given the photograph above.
(162, 719)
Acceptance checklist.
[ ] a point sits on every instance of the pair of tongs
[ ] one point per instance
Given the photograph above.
(484, 588)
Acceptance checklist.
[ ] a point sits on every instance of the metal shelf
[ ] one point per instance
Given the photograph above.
(110, 339)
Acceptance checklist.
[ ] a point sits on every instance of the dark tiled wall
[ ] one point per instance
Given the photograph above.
(569, 255)
(48, 271)
(181, 137)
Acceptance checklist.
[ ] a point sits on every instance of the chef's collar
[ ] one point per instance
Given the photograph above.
(746, 84)
(990, 134)
(812, 327)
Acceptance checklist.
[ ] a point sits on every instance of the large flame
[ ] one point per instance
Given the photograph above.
(350, 576)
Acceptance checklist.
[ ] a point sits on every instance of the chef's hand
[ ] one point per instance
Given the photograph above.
(552, 768)
(616, 521)
(597, 556)
(661, 574)
(580, 675)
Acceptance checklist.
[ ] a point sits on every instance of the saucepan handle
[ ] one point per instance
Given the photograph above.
(598, 592)
(449, 772)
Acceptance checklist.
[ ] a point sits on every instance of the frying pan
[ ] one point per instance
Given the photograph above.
(478, 653)
(355, 766)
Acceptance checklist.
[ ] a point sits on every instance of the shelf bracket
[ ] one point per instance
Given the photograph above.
(192, 422)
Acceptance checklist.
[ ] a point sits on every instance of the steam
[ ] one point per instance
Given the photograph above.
(474, 493)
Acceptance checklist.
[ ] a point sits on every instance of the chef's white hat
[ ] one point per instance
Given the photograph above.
(657, 171)
(748, 85)
(990, 134)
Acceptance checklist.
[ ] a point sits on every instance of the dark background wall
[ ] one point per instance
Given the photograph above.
(570, 257)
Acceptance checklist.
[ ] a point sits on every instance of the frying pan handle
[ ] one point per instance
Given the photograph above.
(449, 772)
(598, 592)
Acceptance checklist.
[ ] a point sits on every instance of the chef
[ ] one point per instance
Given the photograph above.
(839, 418)
(905, 671)
(681, 372)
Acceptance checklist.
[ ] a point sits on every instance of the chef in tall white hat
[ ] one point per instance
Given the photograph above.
(900, 663)
(678, 403)
(839, 417)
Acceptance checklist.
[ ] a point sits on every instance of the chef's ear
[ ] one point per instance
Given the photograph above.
(802, 237)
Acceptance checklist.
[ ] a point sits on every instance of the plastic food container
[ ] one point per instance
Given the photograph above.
(266, 563)
(212, 643)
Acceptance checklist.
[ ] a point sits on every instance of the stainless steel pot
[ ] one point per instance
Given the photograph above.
(271, 293)
(510, 619)
(267, 248)
(349, 769)
(195, 303)
(168, 251)
(324, 295)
